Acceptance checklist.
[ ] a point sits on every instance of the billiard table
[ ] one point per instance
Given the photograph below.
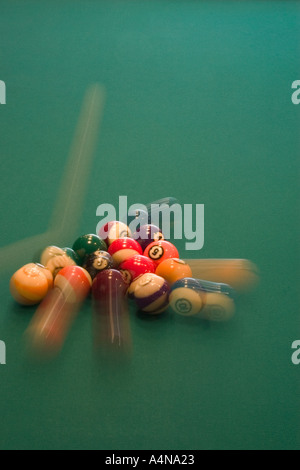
(151, 99)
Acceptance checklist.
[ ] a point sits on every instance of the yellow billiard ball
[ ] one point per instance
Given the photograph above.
(30, 284)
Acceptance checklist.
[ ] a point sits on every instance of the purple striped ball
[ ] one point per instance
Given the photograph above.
(151, 293)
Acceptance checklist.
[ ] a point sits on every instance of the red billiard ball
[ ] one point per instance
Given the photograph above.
(74, 282)
(161, 250)
(124, 248)
(50, 324)
(136, 266)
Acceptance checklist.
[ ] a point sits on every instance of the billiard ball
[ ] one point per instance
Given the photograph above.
(49, 252)
(136, 266)
(87, 244)
(131, 288)
(97, 261)
(150, 293)
(114, 230)
(160, 250)
(49, 326)
(74, 282)
(218, 308)
(71, 253)
(56, 263)
(212, 301)
(186, 297)
(124, 248)
(108, 283)
(173, 269)
(111, 325)
(219, 303)
(30, 284)
(147, 234)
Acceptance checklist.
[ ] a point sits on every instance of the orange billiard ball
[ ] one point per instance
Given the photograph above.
(173, 269)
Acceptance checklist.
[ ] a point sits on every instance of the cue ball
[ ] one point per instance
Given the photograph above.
(30, 284)
(160, 250)
(173, 269)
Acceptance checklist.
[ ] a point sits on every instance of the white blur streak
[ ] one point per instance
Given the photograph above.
(69, 203)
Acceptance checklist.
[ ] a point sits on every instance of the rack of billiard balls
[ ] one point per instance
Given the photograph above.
(114, 266)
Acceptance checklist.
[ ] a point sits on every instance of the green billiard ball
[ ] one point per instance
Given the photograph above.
(87, 244)
(71, 254)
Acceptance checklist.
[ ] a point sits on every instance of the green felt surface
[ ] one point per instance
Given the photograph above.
(198, 107)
